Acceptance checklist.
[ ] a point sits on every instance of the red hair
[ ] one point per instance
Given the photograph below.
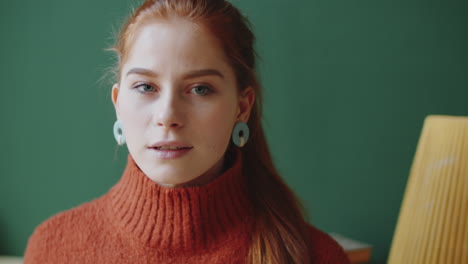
(280, 234)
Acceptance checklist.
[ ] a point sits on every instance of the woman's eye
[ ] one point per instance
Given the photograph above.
(201, 89)
(145, 88)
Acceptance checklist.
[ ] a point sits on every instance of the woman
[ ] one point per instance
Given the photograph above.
(200, 185)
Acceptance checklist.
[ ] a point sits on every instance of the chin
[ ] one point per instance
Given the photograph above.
(169, 178)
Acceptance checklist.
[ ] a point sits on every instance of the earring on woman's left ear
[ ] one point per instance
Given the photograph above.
(240, 134)
(118, 133)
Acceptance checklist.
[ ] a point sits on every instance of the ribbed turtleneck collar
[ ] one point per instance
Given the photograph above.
(181, 219)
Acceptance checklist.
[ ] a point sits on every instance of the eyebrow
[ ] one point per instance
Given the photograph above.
(188, 75)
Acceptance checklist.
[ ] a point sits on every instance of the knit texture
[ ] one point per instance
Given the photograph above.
(139, 221)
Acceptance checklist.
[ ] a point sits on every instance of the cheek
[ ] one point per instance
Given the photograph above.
(134, 117)
(216, 124)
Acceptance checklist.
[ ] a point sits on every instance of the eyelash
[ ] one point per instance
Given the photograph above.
(143, 85)
(209, 90)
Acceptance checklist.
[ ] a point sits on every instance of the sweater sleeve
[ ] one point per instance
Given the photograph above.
(41, 244)
(62, 237)
(324, 249)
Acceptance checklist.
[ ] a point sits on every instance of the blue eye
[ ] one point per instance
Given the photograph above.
(145, 88)
(201, 89)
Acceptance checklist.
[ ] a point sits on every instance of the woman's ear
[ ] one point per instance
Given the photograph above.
(246, 102)
(115, 95)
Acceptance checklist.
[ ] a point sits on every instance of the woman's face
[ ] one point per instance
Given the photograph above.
(178, 103)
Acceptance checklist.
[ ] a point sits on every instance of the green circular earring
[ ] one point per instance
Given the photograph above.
(240, 134)
(118, 133)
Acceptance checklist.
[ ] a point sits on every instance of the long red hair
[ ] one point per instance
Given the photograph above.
(280, 234)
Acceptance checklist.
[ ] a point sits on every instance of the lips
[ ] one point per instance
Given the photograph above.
(173, 144)
(170, 149)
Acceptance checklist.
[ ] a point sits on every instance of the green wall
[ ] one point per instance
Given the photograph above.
(347, 86)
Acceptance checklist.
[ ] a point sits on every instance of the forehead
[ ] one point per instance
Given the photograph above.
(175, 44)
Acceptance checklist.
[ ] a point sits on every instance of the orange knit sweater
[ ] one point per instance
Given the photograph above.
(139, 221)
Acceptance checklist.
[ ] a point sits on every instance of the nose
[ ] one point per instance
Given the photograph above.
(168, 112)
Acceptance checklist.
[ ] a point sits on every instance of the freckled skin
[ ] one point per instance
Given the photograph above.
(170, 106)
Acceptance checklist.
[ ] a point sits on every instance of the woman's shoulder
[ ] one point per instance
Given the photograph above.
(324, 249)
(70, 228)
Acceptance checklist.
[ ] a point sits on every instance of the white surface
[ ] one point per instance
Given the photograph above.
(11, 260)
(349, 244)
